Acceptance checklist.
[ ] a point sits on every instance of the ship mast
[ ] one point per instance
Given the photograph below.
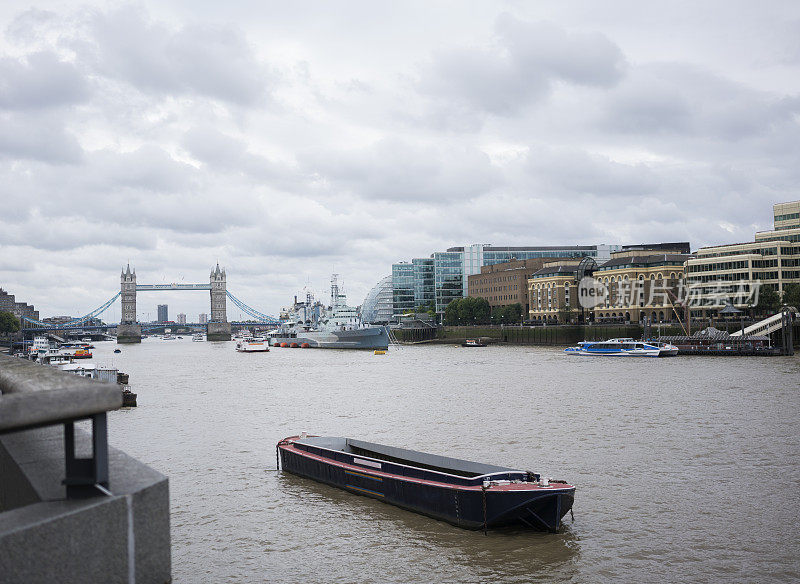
(334, 290)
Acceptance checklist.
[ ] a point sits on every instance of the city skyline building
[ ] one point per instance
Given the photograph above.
(731, 273)
(402, 288)
(444, 276)
(202, 318)
(640, 281)
(163, 313)
(9, 303)
(377, 307)
(181, 318)
(505, 283)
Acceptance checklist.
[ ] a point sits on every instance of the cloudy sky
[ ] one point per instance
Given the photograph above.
(291, 140)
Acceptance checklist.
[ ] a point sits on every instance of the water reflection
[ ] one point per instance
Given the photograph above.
(512, 554)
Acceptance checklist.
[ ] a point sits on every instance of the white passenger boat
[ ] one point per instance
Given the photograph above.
(252, 345)
(616, 348)
(198, 337)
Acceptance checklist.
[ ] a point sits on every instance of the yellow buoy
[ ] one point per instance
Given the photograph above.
(380, 352)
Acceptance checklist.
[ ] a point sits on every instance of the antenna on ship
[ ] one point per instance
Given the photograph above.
(334, 290)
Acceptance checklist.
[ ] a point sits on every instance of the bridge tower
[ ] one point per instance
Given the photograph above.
(219, 329)
(128, 330)
(128, 296)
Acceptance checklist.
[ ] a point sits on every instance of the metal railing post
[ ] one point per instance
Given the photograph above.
(83, 475)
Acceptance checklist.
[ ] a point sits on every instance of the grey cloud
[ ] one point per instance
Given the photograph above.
(581, 58)
(214, 148)
(144, 188)
(398, 171)
(40, 80)
(37, 137)
(148, 168)
(324, 233)
(73, 232)
(29, 26)
(484, 80)
(577, 172)
(521, 69)
(225, 153)
(676, 98)
(208, 60)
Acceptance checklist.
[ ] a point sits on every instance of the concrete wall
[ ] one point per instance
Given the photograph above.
(47, 538)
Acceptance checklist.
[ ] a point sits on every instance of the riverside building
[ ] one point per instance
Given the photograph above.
(19, 309)
(450, 270)
(504, 283)
(553, 292)
(377, 307)
(642, 284)
(731, 273)
(641, 281)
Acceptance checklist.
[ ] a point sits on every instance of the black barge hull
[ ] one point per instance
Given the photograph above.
(502, 498)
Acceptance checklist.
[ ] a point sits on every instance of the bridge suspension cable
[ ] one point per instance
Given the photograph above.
(260, 316)
(93, 314)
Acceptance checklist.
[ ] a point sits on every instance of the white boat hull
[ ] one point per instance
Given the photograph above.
(247, 347)
(631, 353)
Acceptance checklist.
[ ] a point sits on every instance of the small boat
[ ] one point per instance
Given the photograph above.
(616, 348)
(473, 343)
(252, 345)
(180, 337)
(380, 352)
(168, 337)
(467, 494)
(197, 337)
(667, 349)
(117, 350)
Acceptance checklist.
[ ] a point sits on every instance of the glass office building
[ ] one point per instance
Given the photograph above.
(402, 288)
(449, 280)
(424, 281)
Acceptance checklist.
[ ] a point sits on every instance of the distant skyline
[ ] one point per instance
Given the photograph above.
(291, 141)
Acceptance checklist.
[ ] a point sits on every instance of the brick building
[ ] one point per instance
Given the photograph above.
(505, 283)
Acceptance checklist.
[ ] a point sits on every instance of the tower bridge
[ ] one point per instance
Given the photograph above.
(129, 330)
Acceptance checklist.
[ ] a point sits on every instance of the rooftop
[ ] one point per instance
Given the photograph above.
(648, 260)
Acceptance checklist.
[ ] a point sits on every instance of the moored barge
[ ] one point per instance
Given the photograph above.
(467, 494)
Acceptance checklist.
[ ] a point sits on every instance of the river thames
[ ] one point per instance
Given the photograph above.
(686, 468)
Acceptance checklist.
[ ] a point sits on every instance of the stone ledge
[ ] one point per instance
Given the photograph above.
(54, 539)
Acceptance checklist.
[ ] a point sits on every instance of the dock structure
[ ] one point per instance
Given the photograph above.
(712, 341)
(65, 517)
(782, 321)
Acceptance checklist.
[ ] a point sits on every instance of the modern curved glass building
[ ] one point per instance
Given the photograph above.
(377, 306)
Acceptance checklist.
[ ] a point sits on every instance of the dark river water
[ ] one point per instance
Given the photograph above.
(687, 469)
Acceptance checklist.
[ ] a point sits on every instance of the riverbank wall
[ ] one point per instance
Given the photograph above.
(556, 335)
